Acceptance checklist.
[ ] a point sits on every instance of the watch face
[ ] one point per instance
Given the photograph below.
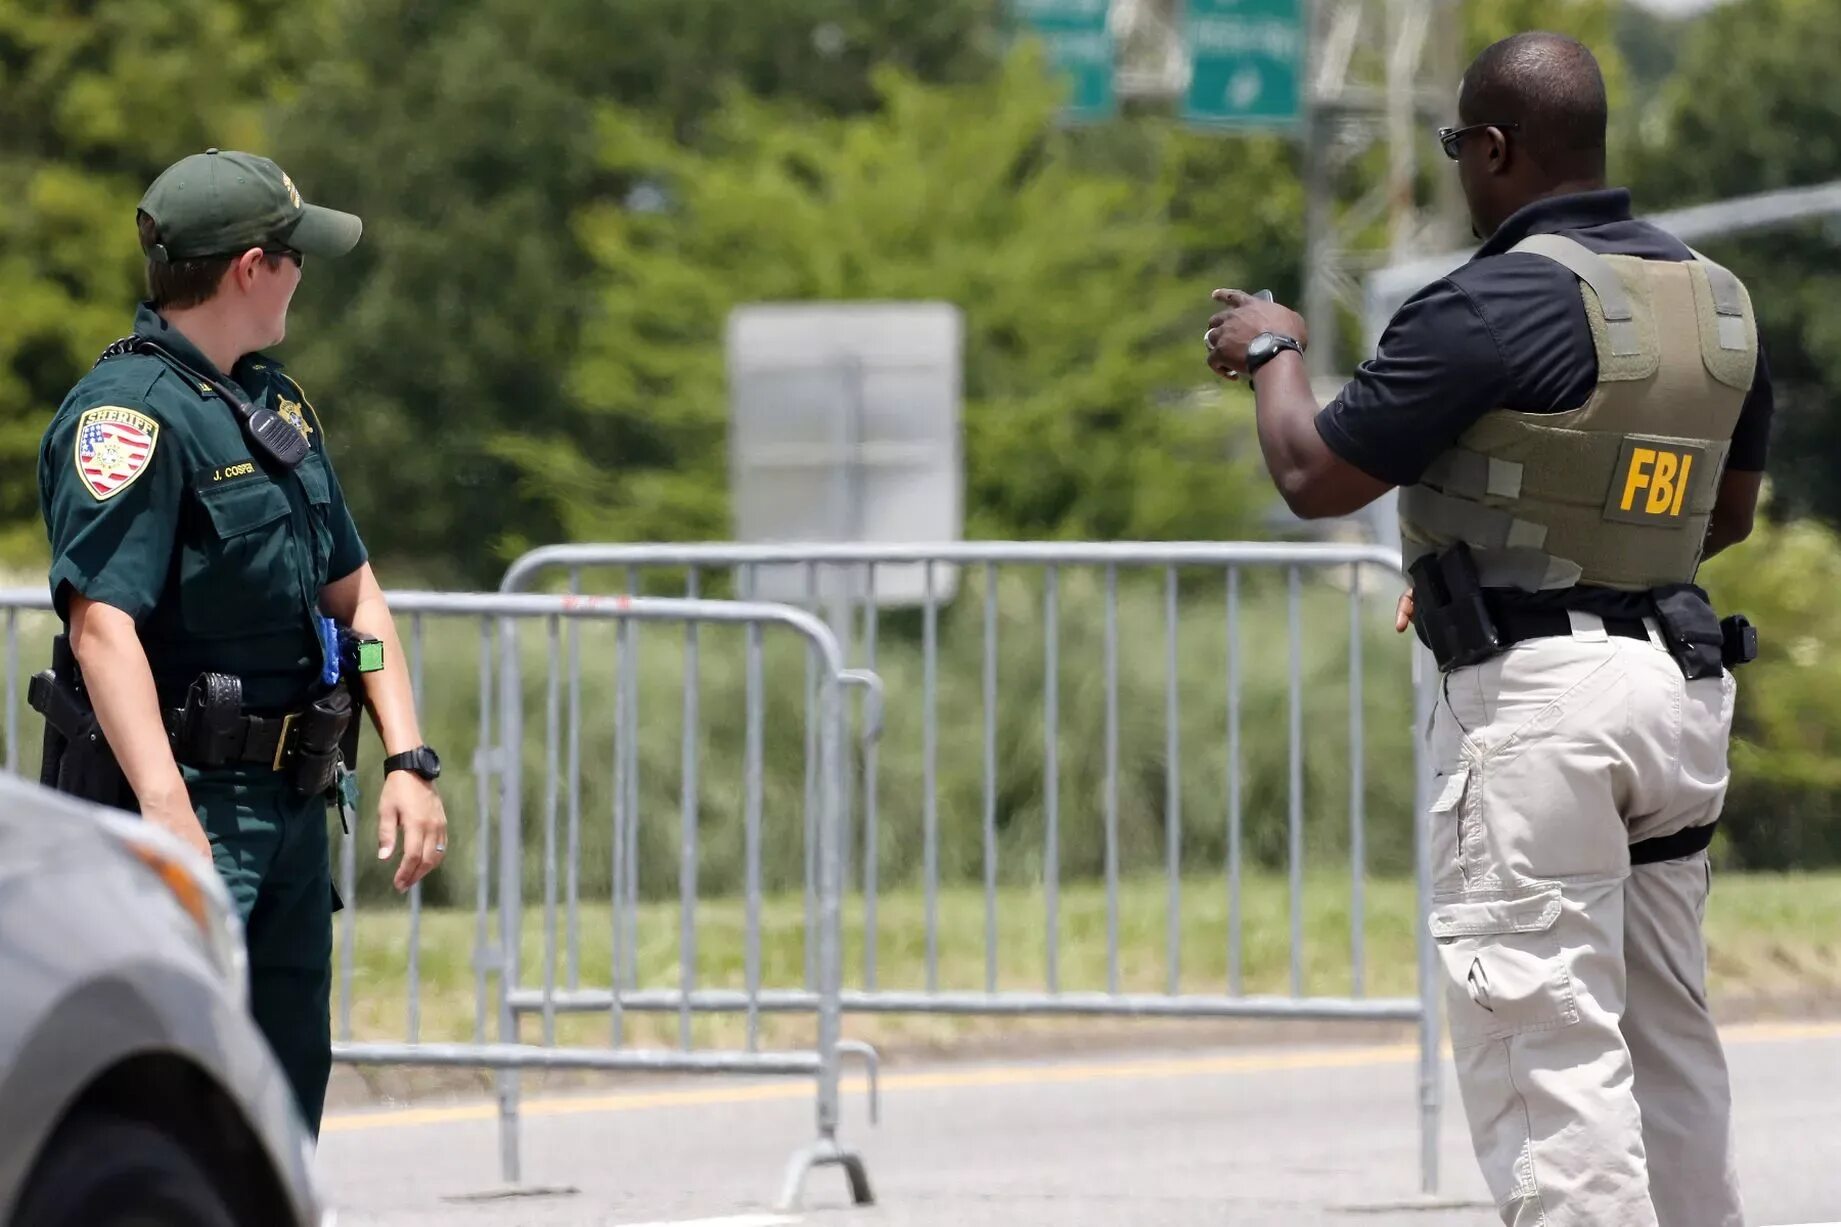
(1262, 346)
(422, 761)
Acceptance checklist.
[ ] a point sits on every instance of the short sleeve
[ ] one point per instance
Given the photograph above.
(1751, 438)
(348, 552)
(111, 488)
(1437, 370)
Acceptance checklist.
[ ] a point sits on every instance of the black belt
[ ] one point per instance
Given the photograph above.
(255, 739)
(1517, 625)
(1674, 847)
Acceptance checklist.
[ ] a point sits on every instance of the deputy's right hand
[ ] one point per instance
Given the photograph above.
(173, 812)
(1403, 613)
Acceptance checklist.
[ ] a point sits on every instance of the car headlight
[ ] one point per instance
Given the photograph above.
(199, 892)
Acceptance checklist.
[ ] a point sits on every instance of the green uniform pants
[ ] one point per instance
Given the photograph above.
(271, 849)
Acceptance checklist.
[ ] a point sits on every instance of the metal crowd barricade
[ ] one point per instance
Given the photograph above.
(497, 768)
(842, 580)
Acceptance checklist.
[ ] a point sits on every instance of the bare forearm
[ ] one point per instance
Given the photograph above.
(1285, 409)
(121, 688)
(1725, 531)
(358, 601)
(387, 691)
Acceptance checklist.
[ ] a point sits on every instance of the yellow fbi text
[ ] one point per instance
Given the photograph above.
(1651, 480)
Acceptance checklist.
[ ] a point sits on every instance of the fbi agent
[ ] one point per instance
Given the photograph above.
(222, 622)
(1576, 419)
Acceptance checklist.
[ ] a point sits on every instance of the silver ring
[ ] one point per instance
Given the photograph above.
(441, 847)
(1208, 338)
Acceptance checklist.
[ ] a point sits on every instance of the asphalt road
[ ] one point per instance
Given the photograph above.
(1243, 1136)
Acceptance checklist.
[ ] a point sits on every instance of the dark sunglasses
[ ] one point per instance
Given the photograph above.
(287, 253)
(1450, 137)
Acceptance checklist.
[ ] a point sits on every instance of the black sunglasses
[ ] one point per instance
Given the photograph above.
(286, 253)
(1449, 137)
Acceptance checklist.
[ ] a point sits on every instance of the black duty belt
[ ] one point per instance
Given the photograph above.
(1519, 625)
(307, 747)
(262, 740)
(1674, 847)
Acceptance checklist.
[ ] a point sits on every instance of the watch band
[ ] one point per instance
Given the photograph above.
(422, 760)
(1280, 343)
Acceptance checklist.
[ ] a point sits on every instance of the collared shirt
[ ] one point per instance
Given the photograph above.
(1505, 331)
(155, 504)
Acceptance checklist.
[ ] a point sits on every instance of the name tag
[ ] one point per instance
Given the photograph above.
(230, 472)
(1650, 483)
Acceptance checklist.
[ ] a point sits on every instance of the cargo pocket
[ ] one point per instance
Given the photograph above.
(1504, 971)
(1456, 830)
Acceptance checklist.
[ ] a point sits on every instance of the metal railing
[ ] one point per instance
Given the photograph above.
(497, 769)
(1265, 581)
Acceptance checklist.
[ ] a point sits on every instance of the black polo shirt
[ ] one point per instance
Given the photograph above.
(1505, 331)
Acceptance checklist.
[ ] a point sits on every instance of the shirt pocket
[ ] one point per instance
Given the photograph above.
(237, 573)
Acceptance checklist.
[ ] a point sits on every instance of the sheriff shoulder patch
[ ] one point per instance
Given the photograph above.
(113, 447)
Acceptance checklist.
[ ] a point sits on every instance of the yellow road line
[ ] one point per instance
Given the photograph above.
(977, 1077)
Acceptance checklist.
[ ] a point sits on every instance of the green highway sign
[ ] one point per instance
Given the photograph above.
(1247, 62)
(1079, 44)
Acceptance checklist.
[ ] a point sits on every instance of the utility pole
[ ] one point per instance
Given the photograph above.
(1380, 76)
(1383, 74)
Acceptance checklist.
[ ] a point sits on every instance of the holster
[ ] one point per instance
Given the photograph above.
(304, 746)
(319, 735)
(77, 758)
(1449, 613)
(210, 726)
(1690, 629)
(1701, 643)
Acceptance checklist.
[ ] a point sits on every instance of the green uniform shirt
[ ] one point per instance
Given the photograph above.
(156, 504)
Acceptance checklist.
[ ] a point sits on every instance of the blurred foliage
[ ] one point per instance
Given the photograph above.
(465, 136)
(1754, 105)
(965, 194)
(96, 98)
(1786, 756)
(563, 200)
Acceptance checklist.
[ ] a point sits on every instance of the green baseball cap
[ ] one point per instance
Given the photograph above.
(221, 202)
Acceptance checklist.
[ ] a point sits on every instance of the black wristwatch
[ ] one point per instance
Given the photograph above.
(422, 760)
(1265, 347)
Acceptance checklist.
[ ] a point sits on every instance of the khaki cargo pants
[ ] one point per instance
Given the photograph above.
(1575, 984)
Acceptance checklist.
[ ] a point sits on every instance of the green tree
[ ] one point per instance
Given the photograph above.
(465, 136)
(96, 99)
(1080, 327)
(1750, 109)
(1786, 757)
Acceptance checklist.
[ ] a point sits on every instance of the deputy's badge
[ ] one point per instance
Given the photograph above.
(113, 448)
(289, 412)
(293, 192)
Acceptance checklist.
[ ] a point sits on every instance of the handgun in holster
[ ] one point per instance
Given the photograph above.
(209, 731)
(1449, 612)
(319, 738)
(1702, 643)
(77, 758)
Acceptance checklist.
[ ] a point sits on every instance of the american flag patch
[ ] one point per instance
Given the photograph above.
(113, 448)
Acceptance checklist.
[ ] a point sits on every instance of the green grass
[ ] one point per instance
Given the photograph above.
(1773, 938)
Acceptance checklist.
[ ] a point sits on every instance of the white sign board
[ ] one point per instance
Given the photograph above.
(844, 427)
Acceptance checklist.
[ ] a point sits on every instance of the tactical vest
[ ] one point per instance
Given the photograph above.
(1618, 492)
